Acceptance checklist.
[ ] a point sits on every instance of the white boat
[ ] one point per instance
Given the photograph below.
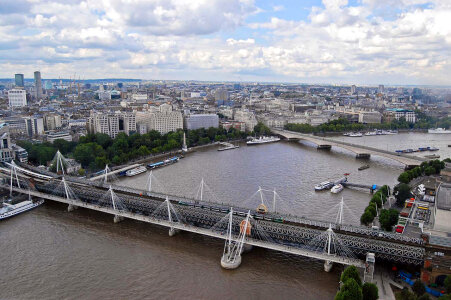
(336, 189)
(324, 185)
(263, 140)
(369, 133)
(136, 171)
(356, 134)
(439, 130)
(9, 210)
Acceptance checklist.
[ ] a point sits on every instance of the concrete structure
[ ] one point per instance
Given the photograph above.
(17, 98)
(6, 152)
(62, 135)
(221, 97)
(247, 118)
(111, 123)
(201, 121)
(233, 124)
(397, 113)
(76, 123)
(164, 120)
(20, 154)
(38, 85)
(19, 80)
(52, 121)
(370, 117)
(359, 150)
(34, 125)
(353, 89)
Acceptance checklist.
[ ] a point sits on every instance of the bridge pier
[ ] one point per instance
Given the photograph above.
(363, 155)
(172, 231)
(117, 219)
(328, 265)
(71, 207)
(324, 147)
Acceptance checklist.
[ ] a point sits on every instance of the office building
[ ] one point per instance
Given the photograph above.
(62, 135)
(353, 89)
(163, 120)
(112, 123)
(193, 122)
(17, 98)
(381, 88)
(6, 153)
(20, 153)
(370, 117)
(38, 84)
(399, 113)
(19, 80)
(34, 125)
(222, 97)
(52, 121)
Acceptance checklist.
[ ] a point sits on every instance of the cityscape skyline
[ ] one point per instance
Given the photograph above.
(331, 41)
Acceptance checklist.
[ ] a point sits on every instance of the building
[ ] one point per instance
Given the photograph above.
(193, 122)
(112, 123)
(233, 124)
(370, 117)
(52, 122)
(20, 154)
(6, 153)
(38, 84)
(17, 98)
(247, 118)
(76, 123)
(222, 97)
(353, 89)
(163, 120)
(398, 113)
(34, 125)
(62, 135)
(48, 85)
(381, 88)
(19, 80)
(104, 95)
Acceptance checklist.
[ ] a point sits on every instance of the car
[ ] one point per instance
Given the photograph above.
(399, 229)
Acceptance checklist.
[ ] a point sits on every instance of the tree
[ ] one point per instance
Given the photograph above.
(402, 193)
(407, 295)
(418, 288)
(81, 172)
(366, 218)
(350, 290)
(351, 272)
(388, 218)
(448, 284)
(370, 291)
(404, 177)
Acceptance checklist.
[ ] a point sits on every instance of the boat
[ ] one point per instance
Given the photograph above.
(324, 185)
(346, 134)
(9, 210)
(263, 140)
(439, 130)
(356, 134)
(136, 171)
(433, 149)
(449, 145)
(229, 148)
(165, 162)
(363, 167)
(336, 189)
(369, 133)
(432, 156)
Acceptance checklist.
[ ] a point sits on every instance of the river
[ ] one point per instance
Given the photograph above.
(49, 253)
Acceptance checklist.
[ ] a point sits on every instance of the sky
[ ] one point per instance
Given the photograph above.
(363, 42)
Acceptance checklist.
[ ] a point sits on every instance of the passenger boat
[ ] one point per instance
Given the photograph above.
(439, 130)
(363, 167)
(165, 162)
(356, 134)
(324, 185)
(263, 140)
(136, 171)
(9, 210)
(336, 189)
(369, 133)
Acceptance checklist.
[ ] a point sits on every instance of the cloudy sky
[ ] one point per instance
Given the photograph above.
(311, 41)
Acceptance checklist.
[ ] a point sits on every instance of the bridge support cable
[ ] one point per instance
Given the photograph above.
(201, 193)
(231, 258)
(167, 212)
(153, 183)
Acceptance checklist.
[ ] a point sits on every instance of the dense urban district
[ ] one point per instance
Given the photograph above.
(116, 122)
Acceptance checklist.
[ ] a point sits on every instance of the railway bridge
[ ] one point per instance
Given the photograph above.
(240, 227)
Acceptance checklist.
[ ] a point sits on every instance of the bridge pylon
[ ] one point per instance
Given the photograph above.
(116, 218)
(231, 257)
(68, 192)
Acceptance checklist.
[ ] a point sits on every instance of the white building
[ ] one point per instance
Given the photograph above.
(77, 123)
(246, 117)
(6, 153)
(163, 120)
(62, 135)
(34, 125)
(193, 122)
(52, 122)
(17, 98)
(111, 123)
(370, 117)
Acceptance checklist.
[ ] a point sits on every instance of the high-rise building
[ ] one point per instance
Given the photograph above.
(17, 98)
(34, 125)
(381, 88)
(6, 153)
(48, 85)
(164, 120)
(353, 89)
(19, 80)
(52, 121)
(38, 84)
(221, 96)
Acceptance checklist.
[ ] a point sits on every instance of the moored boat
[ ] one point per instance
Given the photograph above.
(9, 210)
(432, 156)
(263, 140)
(336, 189)
(136, 171)
(439, 130)
(363, 167)
(324, 185)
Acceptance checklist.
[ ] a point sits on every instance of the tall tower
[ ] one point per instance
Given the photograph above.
(38, 84)
(19, 80)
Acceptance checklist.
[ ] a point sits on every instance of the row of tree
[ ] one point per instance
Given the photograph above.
(342, 125)
(426, 168)
(353, 289)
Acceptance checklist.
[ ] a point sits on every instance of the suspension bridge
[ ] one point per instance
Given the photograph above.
(332, 242)
(361, 151)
